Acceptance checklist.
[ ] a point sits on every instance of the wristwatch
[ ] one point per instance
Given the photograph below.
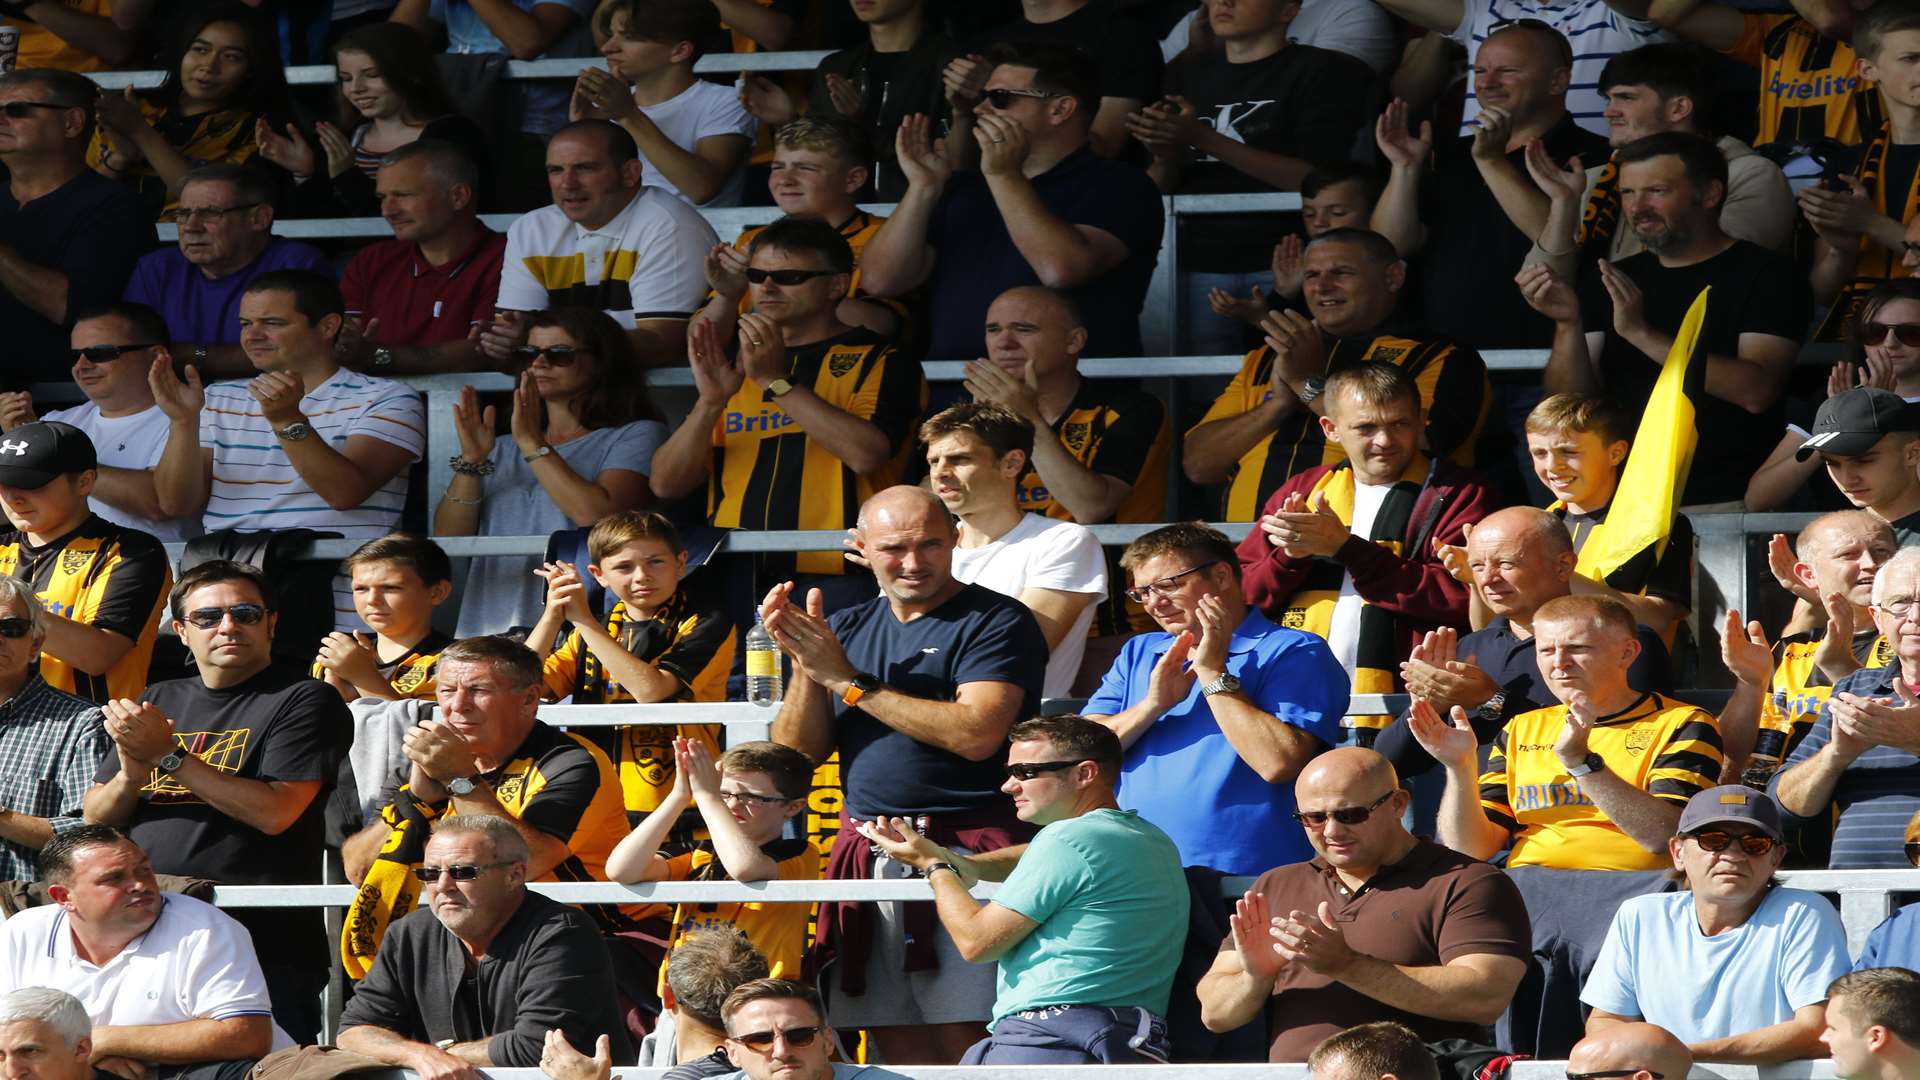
(199, 356)
(1312, 388)
(171, 763)
(1594, 763)
(1494, 707)
(382, 357)
(537, 454)
(295, 431)
(861, 685)
(1225, 684)
(928, 872)
(779, 388)
(462, 786)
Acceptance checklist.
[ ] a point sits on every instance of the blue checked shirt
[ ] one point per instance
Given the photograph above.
(51, 744)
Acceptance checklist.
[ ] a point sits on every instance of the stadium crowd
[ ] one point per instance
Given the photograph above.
(1555, 849)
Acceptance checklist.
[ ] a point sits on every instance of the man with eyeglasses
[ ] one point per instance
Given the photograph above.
(171, 983)
(1629, 1051)
(777, 1030)
(1863, 755)
(72, 235)
(1380, 926)
(101, 583)
(1219, 710)
(221, 775)
(225, 240)
(481, 974)
(1734, 966)
(1087, 929)
(1043, 209)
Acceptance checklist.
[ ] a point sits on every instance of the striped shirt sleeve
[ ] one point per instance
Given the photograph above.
(397, 417)
(1691, 760)
(1495, 792)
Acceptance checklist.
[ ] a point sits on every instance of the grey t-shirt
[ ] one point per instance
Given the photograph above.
(501, 592)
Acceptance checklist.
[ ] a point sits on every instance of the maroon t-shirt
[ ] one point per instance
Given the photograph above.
(419, 304)
(1433, 906)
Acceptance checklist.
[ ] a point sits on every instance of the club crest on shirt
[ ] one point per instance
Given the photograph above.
(410, 678)
(1386, 354)
(73, 561)
(1075, 436)
(1638, 741)
(508, 792)
(1295, 618)
(840, 363)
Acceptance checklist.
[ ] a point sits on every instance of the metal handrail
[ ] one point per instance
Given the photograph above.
(559, 67)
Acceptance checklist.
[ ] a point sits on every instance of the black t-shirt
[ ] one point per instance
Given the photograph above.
(278, 725)
(976, 636)
(1303, 102)
(1463, 277)
(977, 259)
(1128, 55)
(92, 230)
(1755, 291)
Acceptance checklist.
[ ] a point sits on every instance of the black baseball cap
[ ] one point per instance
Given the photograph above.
(1851, 421)
(31, 455)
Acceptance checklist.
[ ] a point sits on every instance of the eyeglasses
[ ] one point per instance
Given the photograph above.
(748, 798)
(459, 872)
(187, 215)
(1166, 585)
(763, 1040)
(206, 618)
(20, 110)
(101, 354)
(1002, 99)
(785, 277)
(557, 355)
(1611, 1074)
(1753, 843)
(1899, 608)
(1906, 333)
(13, 626)
(1027, 770)
(1345, 815)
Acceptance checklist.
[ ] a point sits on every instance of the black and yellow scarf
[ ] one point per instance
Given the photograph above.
(1377, 654)
(1601, 216)
(1876, 265)
(389, 890)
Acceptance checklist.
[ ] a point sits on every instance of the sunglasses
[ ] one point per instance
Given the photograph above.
(458, 872)
(206, 618)
(101, 354)
(557, 355)
(1027, 770)
(1752, 843)
(14, 626)
(1003, 99)
(785, 277)
(1346, 815)
(1906, 333)
(1612, 1074)
(763, 1040)
(20, 110)
(1913, 846)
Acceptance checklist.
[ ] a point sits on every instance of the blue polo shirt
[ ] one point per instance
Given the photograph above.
(1877, 794)
(1184, 776)
(206, 311)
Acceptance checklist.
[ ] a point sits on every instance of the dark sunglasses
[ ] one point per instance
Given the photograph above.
(785, 277)
(13, 626)
(458, 872)
(1612, 1074)
(1906, 333)
(557, 355)
(763, 1040)
(1027, 770)
(20, 110)
(1003, 99)
(1913, 846)
(206, 618)
(1346, 815)
(1752, 843)
(100, 354)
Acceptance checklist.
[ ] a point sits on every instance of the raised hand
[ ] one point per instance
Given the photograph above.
(526, 424)
(475, 426)
(178, 399)
(715, 375)
(845, 96)
(279, 394)
(1547, 293)
(291, 151)
(1449, 741)
(922, 158)
(1781, 562)
(767, 100)
(727, 272)
(1557, 182)
(336, 145)
(1745, 651)
(1402, 150)
(566, 591)
(1003, 145)
(16, 408)
(1289, 265)
(1253, 927)
(1170, 681)
(1833, 656)
(963, 80)
(507, 332)
(1491, 130)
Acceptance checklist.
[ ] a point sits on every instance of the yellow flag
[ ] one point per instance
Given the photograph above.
(1641, 514)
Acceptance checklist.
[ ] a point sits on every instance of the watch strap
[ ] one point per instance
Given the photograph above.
(1593, 764)
(780, 387)
(171, 762)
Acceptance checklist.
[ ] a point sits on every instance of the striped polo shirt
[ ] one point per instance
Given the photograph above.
(1877, 794)
(649, 262)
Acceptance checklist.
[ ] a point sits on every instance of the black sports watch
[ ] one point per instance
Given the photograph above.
(171, 763)
(1594, 763)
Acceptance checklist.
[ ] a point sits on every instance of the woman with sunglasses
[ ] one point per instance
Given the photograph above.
(389, 94)
(582, 434)
(223, 79)
(1886, 341)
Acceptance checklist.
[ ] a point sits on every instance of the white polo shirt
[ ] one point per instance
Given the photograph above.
(194, 963)
(649, 262)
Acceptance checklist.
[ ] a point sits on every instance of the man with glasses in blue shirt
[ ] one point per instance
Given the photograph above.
(1219, 710)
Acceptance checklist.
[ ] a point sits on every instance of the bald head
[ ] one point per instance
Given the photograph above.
(904, 505)
(1537, 530)
(1040, 300)
(1646, 1047)
(1350, 770)
(1521, 558)
(1346, 782)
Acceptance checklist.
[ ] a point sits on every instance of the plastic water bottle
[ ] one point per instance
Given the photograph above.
(763, 666)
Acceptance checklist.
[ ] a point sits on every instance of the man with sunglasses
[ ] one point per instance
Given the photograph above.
(1380, 926)
(485, 969)
(1733, 966)
(221, 775)
(777, 1030)
(72, 235)
(225, 240)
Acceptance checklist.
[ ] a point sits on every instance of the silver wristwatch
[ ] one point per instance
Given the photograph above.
(382, 357)
(461, 786)
(1225, 684)
(1312, 389)
(295, 431)
(1494, 707)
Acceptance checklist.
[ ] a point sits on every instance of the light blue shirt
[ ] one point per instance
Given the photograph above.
(1657, 964)
(1894, 943)
(1111, 900)
(546, 99)
(1184, 775)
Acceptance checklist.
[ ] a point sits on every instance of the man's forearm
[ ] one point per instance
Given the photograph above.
(953, 726)
(1089, 496)
(1210, 451)
(25, 829)
(86, 648)
(896, 260)
(113, 802)
(1059, 254)
(41, 288)
(129, 491)
(1806, 789)
(1570, 370)
(1648, 820)
(641, 679)
(520, 31)
(1397, 215)
(685, 460)
(269, 806)
(805, 719)
(1788, 1040)
(1462, 822)
(1281, 171)
(382, 1044)
(1440, 991)
(181, 480)
(339, 481)
(1523, 203)
(1270, 747)
(1231, 1000)
(97, 34)
(1130, 723)
(188, 1042)
(858, 443)
(1739, 726)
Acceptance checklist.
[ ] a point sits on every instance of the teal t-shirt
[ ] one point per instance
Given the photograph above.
(1111, 900)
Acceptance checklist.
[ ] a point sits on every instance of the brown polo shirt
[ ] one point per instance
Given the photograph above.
(1432, 907)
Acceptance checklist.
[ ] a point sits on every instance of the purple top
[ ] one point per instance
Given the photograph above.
(203, 312)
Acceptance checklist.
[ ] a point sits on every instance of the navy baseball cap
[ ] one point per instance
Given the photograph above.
(1730, 803)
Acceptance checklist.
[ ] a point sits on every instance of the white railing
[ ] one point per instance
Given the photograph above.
(562, 67)
(1522, 1070)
